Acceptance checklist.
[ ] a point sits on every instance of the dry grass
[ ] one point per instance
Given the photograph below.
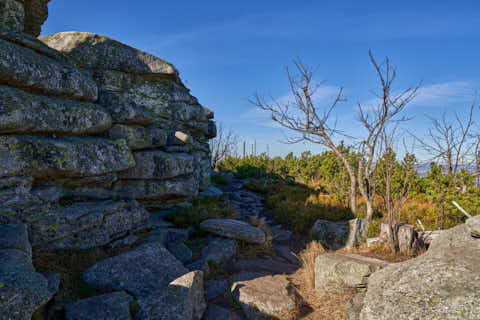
(327, 304)
(383, 252)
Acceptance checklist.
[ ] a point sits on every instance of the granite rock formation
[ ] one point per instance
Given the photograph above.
(93, 133)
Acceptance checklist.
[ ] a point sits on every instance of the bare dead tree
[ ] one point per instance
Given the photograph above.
(223, 145)
(311, 122)
(376, 119)
(396, 188)
(449, 142)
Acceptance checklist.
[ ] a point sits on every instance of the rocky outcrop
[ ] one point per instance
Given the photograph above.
(92, 133)
(443, 283)
(350, 270)
(234, 229)
(336, 235)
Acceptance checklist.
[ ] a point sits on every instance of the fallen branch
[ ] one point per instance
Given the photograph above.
(420, 224)
(461, 209)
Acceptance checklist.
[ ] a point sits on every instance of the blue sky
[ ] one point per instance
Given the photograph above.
(227, 50)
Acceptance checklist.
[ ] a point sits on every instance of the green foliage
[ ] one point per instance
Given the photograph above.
(219, 180)
(373, 229)
(202, 209)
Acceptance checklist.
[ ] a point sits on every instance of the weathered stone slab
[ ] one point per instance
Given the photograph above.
(23, 112)
(139, 137)
(182, 299)
(157, 189)
(473, 225)
(443, 283)
(339, 234)
(69, 157)
(135, 99)
(142, 271)
(100, 52)
(28, 41)
(261, 295)
(234, 229)
(110, 306)
(79, 226)
(23, 290)
(12, 15)
(87, 225)
(24, 68)
(15, 236)
(353, 307)
(159, 165)
(351, 270)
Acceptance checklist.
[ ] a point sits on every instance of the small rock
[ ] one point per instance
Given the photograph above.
(180, 251)
(211, 192)
(111, 306)
(426, 237)
(345, 269)
(157, 220)
(15, 236)
(339, 234)
(219, 250)
(234, 229)
(262, 295)
(215, 288)
(215, 312)
(183, 299)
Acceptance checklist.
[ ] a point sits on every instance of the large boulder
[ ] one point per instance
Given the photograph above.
(443, 283)
(215, 312)
(262, 296)
(336, 235)
(234, 229)
(22, 289)
(71, 157)
(110, 306)
(351, 270)
(24, 112)
(100, 52)
(24, 68)
(182, 299)
(142, 271)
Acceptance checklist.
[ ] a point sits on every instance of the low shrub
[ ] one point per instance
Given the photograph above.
(219, 180)
(202, 209)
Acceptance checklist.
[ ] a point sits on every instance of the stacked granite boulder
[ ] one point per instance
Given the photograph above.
(93, 133)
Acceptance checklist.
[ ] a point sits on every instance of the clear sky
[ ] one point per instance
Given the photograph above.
(227, 50)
